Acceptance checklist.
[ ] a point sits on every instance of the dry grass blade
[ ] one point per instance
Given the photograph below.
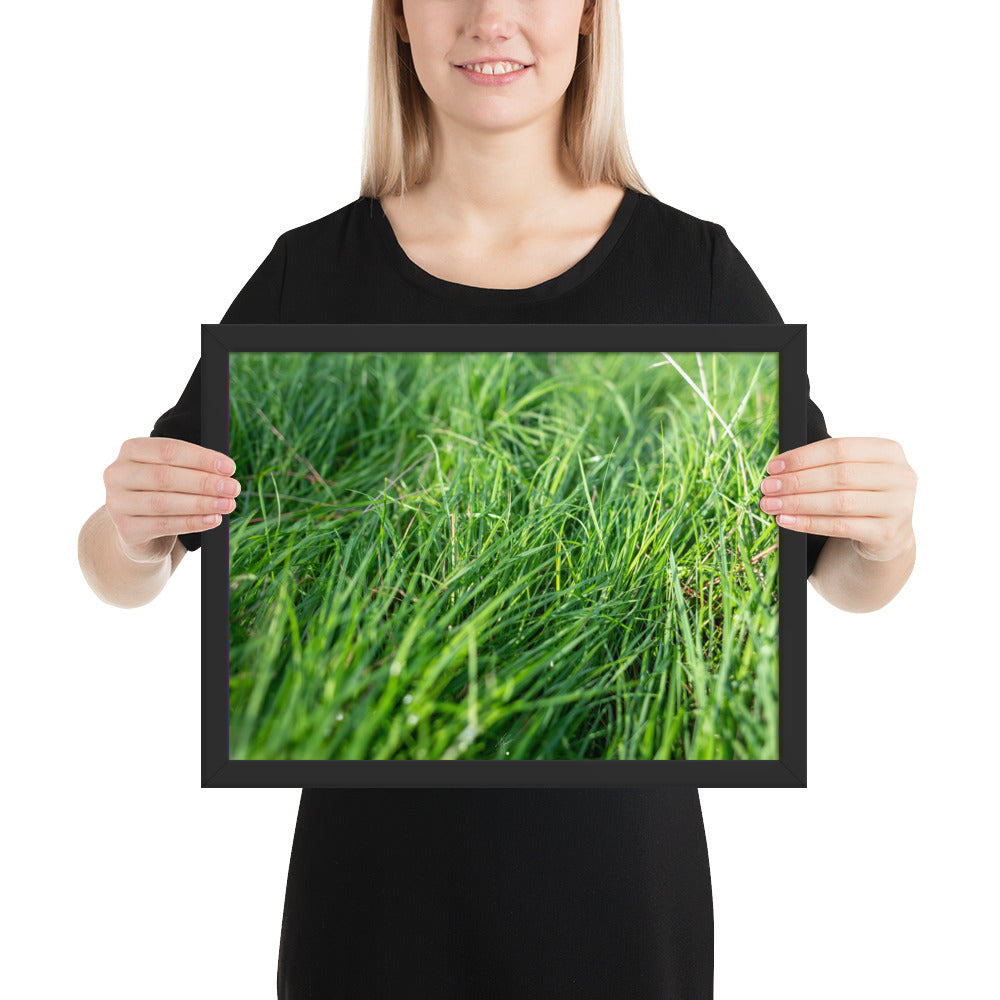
(301, 458)
(701, 395)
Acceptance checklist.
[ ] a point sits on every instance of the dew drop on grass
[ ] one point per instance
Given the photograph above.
(407, 698)
(412, 719)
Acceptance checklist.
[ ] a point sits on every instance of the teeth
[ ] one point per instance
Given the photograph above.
(495, 69)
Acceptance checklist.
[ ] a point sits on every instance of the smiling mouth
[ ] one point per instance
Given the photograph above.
(494, 68)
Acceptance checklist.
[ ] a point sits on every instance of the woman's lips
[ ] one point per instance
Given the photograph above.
(486, 80)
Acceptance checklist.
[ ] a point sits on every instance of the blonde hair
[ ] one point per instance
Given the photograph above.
(397, 139)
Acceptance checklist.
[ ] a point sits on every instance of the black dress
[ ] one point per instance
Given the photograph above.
(498, 894)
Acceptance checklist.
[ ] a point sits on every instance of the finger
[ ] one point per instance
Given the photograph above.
(841, 503)
(141, 476)
(140, 530)
(843, 476)
(832, 451)
(867, 530)
(174, 451)
(157, 503)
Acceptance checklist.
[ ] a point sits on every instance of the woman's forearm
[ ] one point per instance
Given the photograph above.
(852, 583)
(111, 574)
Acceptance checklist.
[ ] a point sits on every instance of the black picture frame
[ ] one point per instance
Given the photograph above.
(788, 341)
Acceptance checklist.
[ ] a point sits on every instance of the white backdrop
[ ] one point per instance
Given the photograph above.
(155, 152)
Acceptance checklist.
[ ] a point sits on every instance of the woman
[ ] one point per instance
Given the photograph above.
(503, 197)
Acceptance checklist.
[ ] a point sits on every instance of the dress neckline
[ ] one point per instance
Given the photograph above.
(559, 285)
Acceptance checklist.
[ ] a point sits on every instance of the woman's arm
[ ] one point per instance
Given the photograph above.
(851, 582)
(158, 525)
(115, 577)
(858, 492)
(157, 489)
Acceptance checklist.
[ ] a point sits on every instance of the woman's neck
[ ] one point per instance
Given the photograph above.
(497, 184)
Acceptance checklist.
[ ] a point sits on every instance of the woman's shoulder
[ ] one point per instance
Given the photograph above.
(666, 222)
(333, 226)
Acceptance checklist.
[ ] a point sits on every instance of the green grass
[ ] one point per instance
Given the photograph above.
(502, 556)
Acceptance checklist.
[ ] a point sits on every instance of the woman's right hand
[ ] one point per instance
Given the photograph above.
(158, 488)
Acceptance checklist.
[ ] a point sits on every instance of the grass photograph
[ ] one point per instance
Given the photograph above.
(502, 556)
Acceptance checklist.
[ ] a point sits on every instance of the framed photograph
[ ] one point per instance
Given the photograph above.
(485, 555)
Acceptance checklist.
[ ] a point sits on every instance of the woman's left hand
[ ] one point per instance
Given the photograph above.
(860, 488)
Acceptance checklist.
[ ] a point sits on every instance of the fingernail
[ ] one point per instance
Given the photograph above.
(225, 466)
(776, 465)
(786, 519)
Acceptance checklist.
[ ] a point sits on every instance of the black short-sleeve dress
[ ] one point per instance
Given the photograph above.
(501, 893)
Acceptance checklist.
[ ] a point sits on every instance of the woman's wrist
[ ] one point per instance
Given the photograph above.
(903, 550)
(152, 554)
